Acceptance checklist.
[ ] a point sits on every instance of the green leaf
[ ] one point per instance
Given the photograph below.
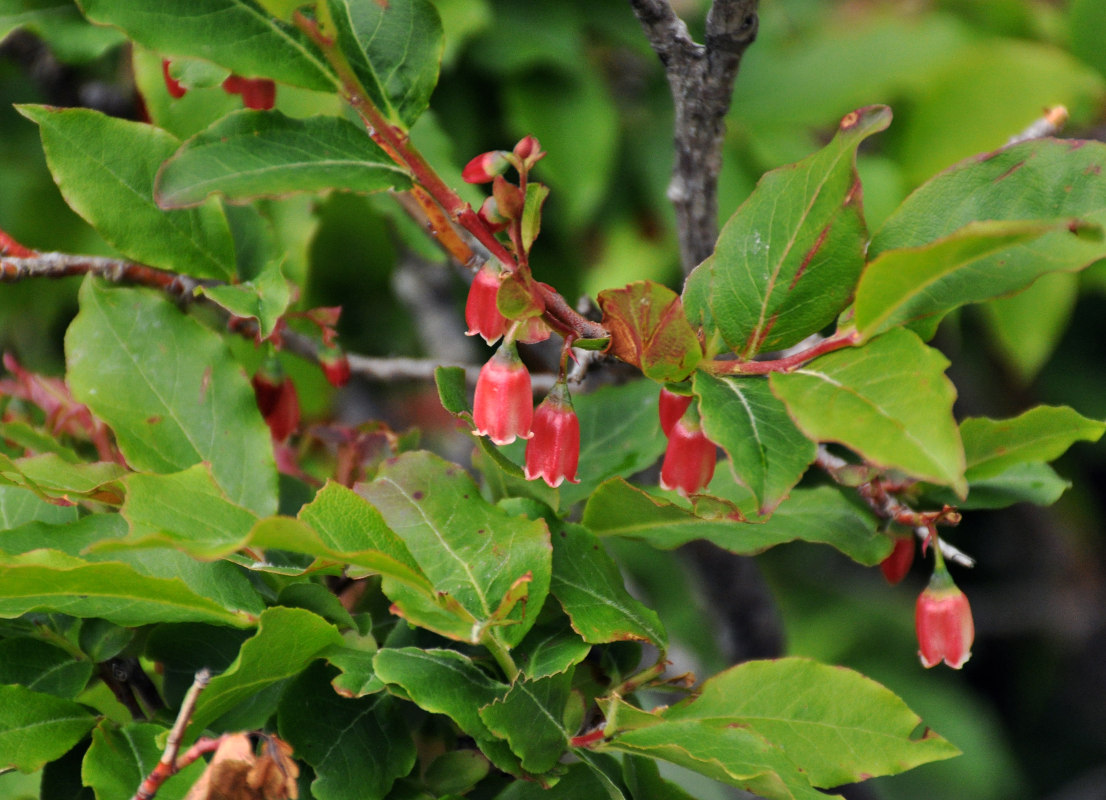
(1039, 179)
(53, 475)
(455, 772)
(171, 392)
(185, 509)
(820, 515)
(287, 640)
(731, 753)
(1043, 433)
(36, 728)
(252, 154)
(591, 589)
(59, 24)
(1032, 482)
(105, 168)
(768, 454)
(620, 435)
(358, 676)
(19, 506)
(907, 286)
(531, 213)
(643, 779)
(264, 298)
(47, 580)
(357, 747)
(650, 330)
(441, 682)
(531, 718)
(550, 648)
(473, 553)
(889, 401)
(1026, 327)
(395, 49)
(121, 756)
(42, 667)
(839, 725)
(787, 260)
(235, 34)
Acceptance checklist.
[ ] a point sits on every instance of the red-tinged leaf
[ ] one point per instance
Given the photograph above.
(650, 330)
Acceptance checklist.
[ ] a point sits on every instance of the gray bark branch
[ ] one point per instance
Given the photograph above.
(701, 78)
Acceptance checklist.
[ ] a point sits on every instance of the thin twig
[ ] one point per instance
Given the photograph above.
(168, 765)
(1049, 124)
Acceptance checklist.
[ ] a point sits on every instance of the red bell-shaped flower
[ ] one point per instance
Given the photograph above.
(896, 565)
(504, 407)
(671, 407)
(277, 400)
(943, 621)
(481, 313)
(689, 460)
(554, 451)
(485, 167)
(176, 90)
(335, 365)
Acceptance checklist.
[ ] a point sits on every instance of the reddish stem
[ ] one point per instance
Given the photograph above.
(786, 364)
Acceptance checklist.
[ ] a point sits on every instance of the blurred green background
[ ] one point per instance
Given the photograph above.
(962, 76)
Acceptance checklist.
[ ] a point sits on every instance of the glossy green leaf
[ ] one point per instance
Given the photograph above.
(358, 676)
(42, 667)
(170, 391)
(287, 640)
(531, 718)
(1039, 179)
(531, 213)
(395, 49)
(186, 509)
(1044, 433)
(121, 756)
(787, 260)
(839, 725)
(235, 34)
(252, 154)
(442, 682)
(357, 748)
(768, 454)
(870, 399)
(909, 285)
(590, 588)
(36, 728)
(105, 168)
(1031, 482)
(472, 552)
(48, 580)
(650, 330)
(821, 515)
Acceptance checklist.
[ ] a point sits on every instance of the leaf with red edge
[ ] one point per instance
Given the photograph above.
(650, 330)
(786, 262)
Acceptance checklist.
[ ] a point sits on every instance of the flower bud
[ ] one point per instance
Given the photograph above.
(481, 312)
(897, 564)
(485, 167)
(943, 621)
(689, 459)
(509, 199)
(277, 401)
(671, 407)
(503, 408)
(490, 216)
(528, 151)
(176, 91)
(335, 366)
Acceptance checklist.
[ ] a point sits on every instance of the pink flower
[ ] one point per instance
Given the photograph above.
(554, 451)
(689, 460)
(481, 313)
(897, 564)
(335, 366)
(671, 407)
(504, 407)
(277, 401)
(943, 621)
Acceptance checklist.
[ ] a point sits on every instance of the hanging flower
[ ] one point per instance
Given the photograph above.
(671, 407)
(943, 621)
(689, 459)
(504, 407)
(897, 564)
(554, 451)
(481, 312)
